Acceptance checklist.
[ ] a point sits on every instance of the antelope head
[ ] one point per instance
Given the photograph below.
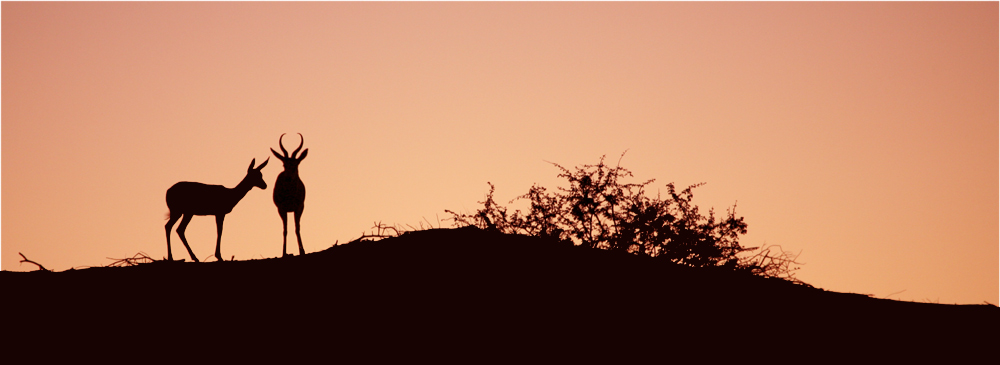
(291, 162)
(254, 177)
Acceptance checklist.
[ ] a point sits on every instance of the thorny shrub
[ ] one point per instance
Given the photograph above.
(598, 210)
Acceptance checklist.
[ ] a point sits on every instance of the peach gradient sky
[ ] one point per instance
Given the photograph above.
(864, 135)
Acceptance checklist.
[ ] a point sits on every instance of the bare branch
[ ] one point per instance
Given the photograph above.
(25, 259)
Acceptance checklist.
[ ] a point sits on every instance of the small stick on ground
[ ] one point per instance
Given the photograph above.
(139, 258)
(40, 267)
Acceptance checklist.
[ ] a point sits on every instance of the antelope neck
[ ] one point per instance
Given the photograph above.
(242, 188)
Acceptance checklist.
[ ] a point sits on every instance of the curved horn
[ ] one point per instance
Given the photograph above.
(282, 147)
(300, 145)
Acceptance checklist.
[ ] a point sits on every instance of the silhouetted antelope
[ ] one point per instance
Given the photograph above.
(189, 199)
(290, 192)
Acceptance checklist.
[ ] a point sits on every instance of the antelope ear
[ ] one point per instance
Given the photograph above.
(303, 155)
(251, 164)
(275, 154)
(263, 164)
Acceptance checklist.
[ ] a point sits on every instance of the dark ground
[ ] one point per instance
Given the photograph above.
(470, 296)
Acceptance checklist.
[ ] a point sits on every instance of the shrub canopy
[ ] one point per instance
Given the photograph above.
(599, 210)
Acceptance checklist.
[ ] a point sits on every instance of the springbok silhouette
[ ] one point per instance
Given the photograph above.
(290, 192)
(189, 199)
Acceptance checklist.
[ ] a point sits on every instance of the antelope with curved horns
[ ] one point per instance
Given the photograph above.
(189, 199)
(290, 192)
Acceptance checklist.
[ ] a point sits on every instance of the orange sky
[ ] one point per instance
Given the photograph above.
(864, 135)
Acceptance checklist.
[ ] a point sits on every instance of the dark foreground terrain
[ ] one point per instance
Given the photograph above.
(469, 296)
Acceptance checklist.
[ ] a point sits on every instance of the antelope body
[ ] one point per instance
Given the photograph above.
(290, 192)
(187, 199)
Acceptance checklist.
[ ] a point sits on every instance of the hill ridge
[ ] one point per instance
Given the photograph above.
(476, 288)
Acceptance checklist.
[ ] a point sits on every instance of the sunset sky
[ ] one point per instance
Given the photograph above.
(863, 135)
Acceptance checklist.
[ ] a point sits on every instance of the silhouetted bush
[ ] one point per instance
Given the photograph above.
(599, 210)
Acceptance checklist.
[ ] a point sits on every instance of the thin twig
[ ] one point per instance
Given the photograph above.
(891, 294)
(40, 267)
(139, 258)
